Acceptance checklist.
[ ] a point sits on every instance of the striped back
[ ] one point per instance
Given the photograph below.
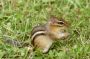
(37, 31)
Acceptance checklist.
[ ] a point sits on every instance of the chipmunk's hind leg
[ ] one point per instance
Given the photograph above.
(43, 42)
(46, 49)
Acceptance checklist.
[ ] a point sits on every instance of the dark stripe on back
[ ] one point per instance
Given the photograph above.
(37, 36)
(37, 29)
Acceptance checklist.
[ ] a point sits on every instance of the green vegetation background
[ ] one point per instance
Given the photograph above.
(17, 17)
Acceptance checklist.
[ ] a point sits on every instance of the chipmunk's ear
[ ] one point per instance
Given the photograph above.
(53, 19)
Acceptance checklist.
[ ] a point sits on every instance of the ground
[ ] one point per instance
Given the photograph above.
(18, 17)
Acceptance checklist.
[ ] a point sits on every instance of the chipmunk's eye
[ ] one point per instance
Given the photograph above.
(60, 22)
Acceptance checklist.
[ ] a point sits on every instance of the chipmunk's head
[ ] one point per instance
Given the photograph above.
(58, 27)
(54, 21)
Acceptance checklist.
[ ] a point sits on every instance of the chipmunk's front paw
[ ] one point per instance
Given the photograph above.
(63, 35)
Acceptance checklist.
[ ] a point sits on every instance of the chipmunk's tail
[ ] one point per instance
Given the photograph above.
(13, 42)
(16, 43)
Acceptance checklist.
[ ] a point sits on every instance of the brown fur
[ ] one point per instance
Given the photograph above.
(43, 42)
(45, 34)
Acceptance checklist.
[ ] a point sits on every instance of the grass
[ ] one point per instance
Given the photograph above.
(17, 17)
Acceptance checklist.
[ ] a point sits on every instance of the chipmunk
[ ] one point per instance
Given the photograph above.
(43, 36)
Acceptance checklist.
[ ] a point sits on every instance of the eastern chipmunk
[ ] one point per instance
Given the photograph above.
(44, 35)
